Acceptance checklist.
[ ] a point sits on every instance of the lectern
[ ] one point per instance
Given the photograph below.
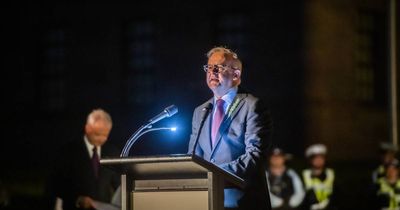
(176, 182)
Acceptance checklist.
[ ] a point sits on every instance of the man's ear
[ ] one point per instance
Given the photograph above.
(236, 74)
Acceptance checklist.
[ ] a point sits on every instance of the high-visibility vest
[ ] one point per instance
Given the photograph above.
(392, 191)
(322, 189)
(378, 173)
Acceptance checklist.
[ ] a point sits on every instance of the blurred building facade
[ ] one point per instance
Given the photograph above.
(321, 66)
(346, 59)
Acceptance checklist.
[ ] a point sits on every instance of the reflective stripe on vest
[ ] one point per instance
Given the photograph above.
(322, 189)
(386, 189)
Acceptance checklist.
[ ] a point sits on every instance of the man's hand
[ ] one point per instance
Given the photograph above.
(84, 202)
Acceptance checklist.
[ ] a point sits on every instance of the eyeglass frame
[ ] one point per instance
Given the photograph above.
(221, 68)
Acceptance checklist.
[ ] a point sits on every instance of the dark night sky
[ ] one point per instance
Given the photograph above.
(94, 69)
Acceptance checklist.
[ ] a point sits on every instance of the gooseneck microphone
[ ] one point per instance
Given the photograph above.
(206, 110)
(168, 112)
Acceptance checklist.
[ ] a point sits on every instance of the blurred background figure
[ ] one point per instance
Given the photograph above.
(388, 152)
(78, 181)
(286, 188)
(318, 180)
(387, 188)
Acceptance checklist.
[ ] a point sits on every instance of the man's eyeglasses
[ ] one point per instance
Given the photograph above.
(216, 69)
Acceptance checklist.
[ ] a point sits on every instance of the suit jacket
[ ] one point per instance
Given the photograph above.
(73, 175)
(240, 146)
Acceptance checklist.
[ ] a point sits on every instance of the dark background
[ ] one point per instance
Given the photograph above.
(315, 63)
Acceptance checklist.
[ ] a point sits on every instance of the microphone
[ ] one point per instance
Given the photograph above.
(206, 111)
(168, 112)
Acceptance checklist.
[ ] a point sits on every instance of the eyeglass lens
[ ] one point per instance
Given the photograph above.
(213, 68)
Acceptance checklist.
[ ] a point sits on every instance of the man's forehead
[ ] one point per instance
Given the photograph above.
(218, 57)
(100, 124)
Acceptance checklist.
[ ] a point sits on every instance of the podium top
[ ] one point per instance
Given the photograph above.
(170, 167)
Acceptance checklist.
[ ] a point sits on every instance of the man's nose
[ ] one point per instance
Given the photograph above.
(213, 76)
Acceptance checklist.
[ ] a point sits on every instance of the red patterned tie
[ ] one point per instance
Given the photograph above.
(218, 116)
(95, 162)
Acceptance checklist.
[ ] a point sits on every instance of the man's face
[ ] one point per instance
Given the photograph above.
(318, 161)
(220, 82)
(277, 161)
(97, 133)
(392, 172)
(388, 157)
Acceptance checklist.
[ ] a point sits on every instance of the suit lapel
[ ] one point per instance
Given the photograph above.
(233, 109)
(205, 132)
(88, 159)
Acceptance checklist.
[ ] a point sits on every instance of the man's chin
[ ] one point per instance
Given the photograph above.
(213, 85)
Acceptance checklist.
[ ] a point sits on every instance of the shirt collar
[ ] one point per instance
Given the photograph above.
(229, 96)
(90, 147)
(88, 144)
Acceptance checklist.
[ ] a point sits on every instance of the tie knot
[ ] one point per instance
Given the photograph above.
(94, 149)
(220, 103)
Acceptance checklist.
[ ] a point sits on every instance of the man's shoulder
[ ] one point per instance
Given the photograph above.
(249, 97)
(250, 100)
(72, 144)
(68, 153)
(246, 94)
(203, 105)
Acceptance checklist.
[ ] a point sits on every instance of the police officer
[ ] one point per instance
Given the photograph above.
(286, 188)
(388, 153)
(388, 187)
(318, 179)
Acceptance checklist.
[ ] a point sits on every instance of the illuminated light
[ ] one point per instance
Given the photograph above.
(173, 129)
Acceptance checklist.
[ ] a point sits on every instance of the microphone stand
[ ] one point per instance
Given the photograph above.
(168, 112)
(132, 141)
(137, 135)
(132, 138)
(207, 110)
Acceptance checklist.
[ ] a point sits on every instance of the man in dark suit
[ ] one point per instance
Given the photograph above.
(235, 133)
(78, 180)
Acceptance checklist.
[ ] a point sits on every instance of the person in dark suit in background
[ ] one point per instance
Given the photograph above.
(286, 188)
(236, 133)
(78, 180)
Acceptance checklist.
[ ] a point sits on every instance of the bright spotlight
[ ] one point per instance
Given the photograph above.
(173, 129)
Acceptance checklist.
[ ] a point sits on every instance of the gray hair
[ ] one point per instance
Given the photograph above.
(98, 115)
(228, 53)
(224, 50)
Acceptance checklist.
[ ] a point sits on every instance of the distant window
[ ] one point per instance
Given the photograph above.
(141, 63)
(370, 58)
(52, 84)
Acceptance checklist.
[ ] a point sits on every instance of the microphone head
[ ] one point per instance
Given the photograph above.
(171, 110)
